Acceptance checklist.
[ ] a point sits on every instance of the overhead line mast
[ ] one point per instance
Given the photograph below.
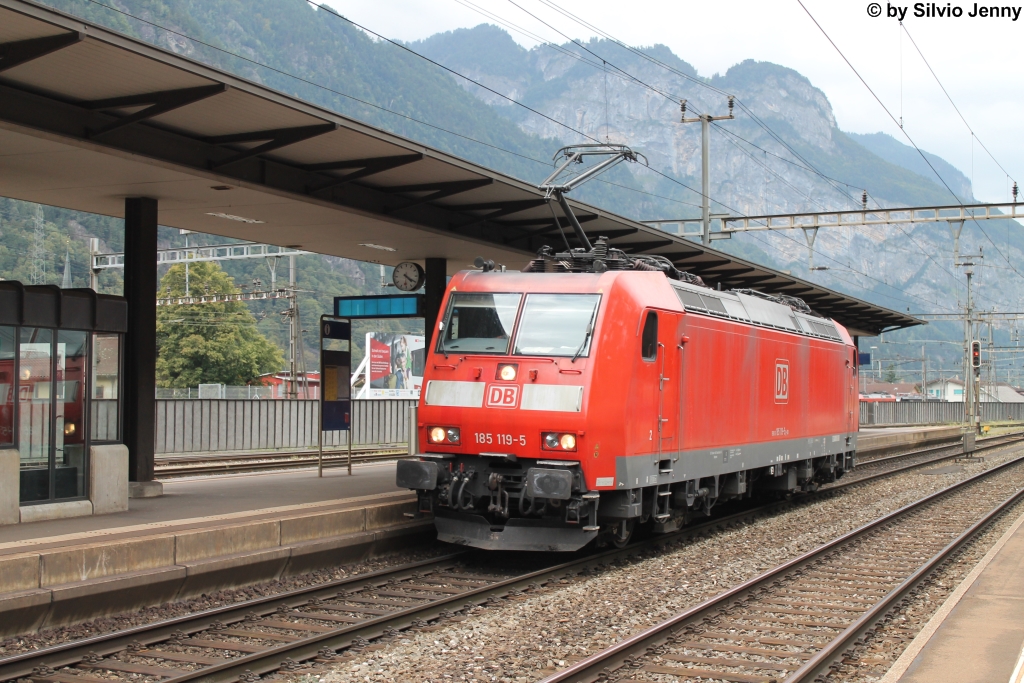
(230, 252)
(705, 154)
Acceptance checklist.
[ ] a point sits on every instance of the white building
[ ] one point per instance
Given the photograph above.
(952, 390)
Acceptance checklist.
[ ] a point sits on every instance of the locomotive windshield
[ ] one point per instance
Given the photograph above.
(557, 325)
(479, 323)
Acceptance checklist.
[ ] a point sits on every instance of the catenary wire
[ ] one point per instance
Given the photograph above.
(957, 109)
(314, 84)
(703, 84)
(905, 133)
(631, 78)
(670, 96)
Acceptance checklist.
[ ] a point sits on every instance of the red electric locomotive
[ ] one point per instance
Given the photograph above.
(558, 407)
(596, 391)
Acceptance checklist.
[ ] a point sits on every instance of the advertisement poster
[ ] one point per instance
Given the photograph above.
(395, 365)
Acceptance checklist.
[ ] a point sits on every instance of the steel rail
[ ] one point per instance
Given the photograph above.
(239, 465)
(613, 658)
(267, 660)
(181, 466)
(841, 643)
(64, 654)
(886, 473)
(950, 444)
(216, 456)
(68, 654)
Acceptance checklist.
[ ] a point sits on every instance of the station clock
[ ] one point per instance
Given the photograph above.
(408, 276)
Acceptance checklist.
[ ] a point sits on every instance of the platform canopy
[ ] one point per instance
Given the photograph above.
(89, 116)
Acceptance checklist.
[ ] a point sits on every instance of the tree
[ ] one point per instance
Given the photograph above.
(209, 343)
(890, 374)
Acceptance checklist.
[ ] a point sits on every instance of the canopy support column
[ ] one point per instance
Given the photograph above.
(140, 288)
(436, 281)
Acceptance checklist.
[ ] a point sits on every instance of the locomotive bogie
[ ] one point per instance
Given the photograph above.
(559, 408)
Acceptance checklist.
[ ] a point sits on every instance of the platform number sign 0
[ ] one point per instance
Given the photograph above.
(781, 381)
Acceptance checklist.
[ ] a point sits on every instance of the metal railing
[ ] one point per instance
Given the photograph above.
(189, 426)
(934, 412)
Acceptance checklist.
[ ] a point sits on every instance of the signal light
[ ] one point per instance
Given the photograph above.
(507, 371)
(555, 441)
(976, 355)
(444, 435)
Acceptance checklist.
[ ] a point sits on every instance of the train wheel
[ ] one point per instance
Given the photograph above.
(624, 533)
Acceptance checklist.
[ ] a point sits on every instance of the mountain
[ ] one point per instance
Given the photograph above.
(935, 168)
(783, 152)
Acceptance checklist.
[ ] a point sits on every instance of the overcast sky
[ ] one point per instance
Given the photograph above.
(975, 58)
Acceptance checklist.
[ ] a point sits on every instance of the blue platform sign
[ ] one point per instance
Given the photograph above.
(864, 359)
(385, 306)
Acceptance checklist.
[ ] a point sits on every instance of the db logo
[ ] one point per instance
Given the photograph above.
(502, 395)
(781, 381)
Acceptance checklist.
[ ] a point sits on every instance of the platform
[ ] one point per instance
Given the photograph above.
(977, 635)
(878, 440)
(202, 535)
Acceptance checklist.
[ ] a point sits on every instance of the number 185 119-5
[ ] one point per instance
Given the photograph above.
(500, 439)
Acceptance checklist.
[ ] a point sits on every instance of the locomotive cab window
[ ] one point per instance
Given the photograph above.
(479, 322)
(649, 338)
(557, 325)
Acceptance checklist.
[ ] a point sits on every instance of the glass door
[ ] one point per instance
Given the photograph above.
(35, 403)
(8, 382)
(69, 422)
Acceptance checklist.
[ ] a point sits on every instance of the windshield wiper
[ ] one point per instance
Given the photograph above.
(586, 337)
(444, 347)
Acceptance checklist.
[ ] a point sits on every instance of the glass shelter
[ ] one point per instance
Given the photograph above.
(60, 379)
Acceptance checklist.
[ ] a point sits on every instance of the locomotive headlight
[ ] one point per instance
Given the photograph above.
(443, 435)
(558, 441)
(508, 371)
(69, 429)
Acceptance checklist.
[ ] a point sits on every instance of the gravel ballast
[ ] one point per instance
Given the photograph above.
(526, 638)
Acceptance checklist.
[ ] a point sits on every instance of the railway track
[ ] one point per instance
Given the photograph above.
(198, 465)
(328, 622)
(794, 622)
(192, 465)
(893, 464)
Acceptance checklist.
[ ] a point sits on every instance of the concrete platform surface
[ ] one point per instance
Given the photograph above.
(876, 439)
(219, 495)
(203, 536)
(978, 634)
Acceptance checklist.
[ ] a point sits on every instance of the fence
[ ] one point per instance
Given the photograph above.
(184, 426)
(250, 392)
(934, 412)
